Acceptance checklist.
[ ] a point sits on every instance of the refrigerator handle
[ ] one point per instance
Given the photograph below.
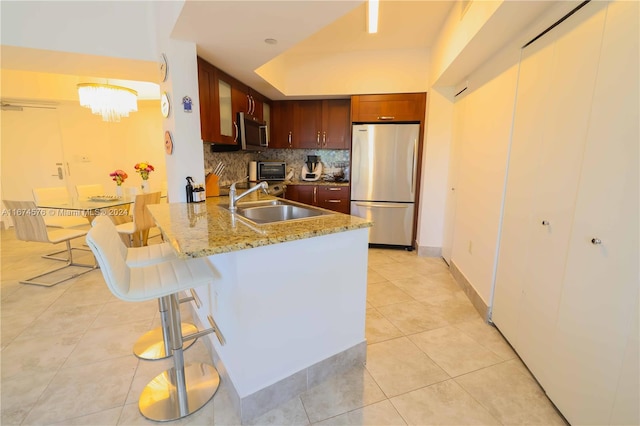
(413, 168)
(382, 206)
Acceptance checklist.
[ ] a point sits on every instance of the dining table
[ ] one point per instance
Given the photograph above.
(90, 207)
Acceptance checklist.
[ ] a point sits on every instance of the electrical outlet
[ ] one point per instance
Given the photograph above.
(470, 247)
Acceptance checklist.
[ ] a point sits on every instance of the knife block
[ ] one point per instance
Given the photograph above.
(212, 185)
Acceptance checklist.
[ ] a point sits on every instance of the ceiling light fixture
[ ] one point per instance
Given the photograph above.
(111, 102)
(271, 41)
(372, 16)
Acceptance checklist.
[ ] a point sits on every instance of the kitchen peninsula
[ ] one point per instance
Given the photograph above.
(289, 298)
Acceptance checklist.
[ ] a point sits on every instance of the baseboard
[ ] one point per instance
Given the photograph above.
(272, 396)
(471, 292)
(425, 251)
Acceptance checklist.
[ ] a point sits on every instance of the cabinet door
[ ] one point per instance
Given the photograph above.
(281, 125)
(240, 99)
(207, 93)
(334, 198)
(336, 124)
(228, 127)
(305, 194)
(401, 107)
(307, 119)
(256, 102)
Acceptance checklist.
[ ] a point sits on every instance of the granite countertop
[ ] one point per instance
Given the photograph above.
(204, 229)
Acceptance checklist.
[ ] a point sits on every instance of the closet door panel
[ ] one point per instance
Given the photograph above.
(575, 64)
(524, 164)
(600, 293)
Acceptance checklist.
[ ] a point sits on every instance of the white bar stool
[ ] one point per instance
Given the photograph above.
(155, 345)
(180, 390)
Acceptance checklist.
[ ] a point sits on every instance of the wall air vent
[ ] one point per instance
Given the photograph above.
(20, 104)
(461, 88)
(558, 22)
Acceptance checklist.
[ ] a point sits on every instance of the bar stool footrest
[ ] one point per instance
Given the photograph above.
(150, 346)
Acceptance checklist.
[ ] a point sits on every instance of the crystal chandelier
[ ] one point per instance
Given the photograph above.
(111, 102)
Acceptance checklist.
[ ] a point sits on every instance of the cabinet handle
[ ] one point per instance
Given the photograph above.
(290, 139)
(545, 222)
(596, 241)
(252, 105)
(315, 195)
(386, 117)
(324, 139)
(334, 189)
(235, 137)
(333, 201)
(318, 140)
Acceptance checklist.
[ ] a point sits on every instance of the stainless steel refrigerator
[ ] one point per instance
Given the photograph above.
(383, 180)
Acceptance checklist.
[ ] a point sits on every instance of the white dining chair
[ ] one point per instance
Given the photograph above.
(86, 191)
(31, 227)
(42, 196)
(137, 230)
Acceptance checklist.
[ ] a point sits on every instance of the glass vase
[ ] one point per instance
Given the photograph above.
(119, 191)
(145, 187)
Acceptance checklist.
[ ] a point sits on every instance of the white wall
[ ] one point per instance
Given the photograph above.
(93, 148)
(105, 28)
(111, 146)
(187, 158)
(360, 72)
(485, 131)
(435, 166)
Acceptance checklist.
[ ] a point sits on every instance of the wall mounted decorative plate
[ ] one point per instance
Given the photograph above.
(165, 106)
(168, 142)
(164, 67)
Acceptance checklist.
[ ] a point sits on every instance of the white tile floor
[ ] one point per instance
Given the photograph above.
(66, 355)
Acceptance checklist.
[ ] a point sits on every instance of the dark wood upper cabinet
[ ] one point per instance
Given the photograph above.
(336, 124)
(401, 107)
(222, 97)
(206, 89)
(307, 124)
(281, 125)
(314, 124)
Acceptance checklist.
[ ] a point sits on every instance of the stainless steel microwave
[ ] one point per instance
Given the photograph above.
(252, 133)
(272, 170)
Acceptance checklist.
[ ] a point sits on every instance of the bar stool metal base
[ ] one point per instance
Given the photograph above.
(151, 346)
(159, 399)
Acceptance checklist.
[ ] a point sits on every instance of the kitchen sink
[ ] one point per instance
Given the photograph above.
(270, 211)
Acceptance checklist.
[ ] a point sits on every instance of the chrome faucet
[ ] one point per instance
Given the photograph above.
(232, 192)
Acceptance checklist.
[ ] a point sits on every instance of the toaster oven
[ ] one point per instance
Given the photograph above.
(272, 170)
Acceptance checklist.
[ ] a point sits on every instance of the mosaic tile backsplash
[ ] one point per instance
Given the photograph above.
(237, 163)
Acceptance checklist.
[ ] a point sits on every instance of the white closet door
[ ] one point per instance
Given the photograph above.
(555, 91)
(600, 294)
(451, 202)
(575, 64)
(524, 164)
